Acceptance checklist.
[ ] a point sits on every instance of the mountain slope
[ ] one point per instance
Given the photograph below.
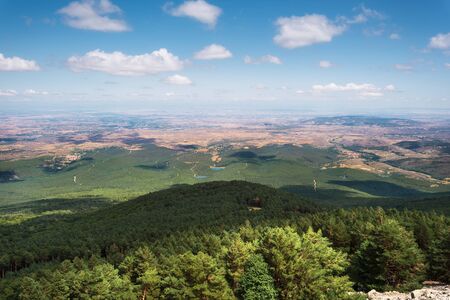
(212, 206)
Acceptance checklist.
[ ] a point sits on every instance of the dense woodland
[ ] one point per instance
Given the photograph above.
(222, 240)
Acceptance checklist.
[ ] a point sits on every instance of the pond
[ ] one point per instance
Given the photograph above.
(217, 168)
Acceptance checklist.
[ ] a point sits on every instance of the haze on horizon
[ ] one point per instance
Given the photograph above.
(196, 55)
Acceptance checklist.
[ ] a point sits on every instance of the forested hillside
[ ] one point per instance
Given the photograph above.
(222, 240)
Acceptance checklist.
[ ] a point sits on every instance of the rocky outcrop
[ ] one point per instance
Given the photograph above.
(427, 293)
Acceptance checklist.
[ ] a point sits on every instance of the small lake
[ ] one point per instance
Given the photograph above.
(217, 168)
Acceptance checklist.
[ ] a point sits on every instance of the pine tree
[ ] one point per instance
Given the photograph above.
(440, 257)
(138, 262)
(305, 267)
(388, 259)
(150, 284)
(30, 289)
(237, 256)
(256, 282)
(196, 276)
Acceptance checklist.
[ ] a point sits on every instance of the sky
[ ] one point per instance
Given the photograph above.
(322, 56)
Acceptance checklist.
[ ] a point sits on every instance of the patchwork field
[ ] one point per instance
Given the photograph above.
(333, 160)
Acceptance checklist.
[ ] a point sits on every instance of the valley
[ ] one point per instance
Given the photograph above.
(119, 157)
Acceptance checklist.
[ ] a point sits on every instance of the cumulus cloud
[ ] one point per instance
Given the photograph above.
(17, 64)
(394, 36)
(299, 92)
(301, 31)
(403, 67)
(199, 10)
(294, 32)
(363, 89)
(8, 93)
(447, 65)
(270, 59)
(440, 41)
(213, 51)
(98, 15)
(118, 63)
(325, 64)
(178, 80)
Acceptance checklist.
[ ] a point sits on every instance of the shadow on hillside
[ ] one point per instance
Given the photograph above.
(155, 167)
(246, 156)
(413, 199)
(379, 188)
(87, 203)
(319, 194)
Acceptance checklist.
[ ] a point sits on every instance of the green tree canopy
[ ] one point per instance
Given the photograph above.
(196, 276)
(389, 258)
(256, 283)
(305, 267)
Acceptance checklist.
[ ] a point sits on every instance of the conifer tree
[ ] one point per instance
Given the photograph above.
(196, 276)
(440, 257)
(150, 284)
(30, 289)
(388, 259)
(305, 267)
(237, 256)
(256, 282)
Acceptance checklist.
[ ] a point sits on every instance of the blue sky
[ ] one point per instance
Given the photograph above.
(341, 56)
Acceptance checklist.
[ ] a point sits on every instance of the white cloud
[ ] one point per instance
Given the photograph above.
(31, 92)
(299, 92)
(93, 15)
(270, 59)
(118, 63)
(333, 87)
(325, 64)
(199, 10)
(394, 36)
(8, 93)
(17, 64)
(363, 89)
(371, 94)
(364, 15)
(178, 80)
(390, 87)
(294, 32)
(440, 41)
(169, 94)
(28, 92)
(403, 67)
(447, 65)
(213, 51)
